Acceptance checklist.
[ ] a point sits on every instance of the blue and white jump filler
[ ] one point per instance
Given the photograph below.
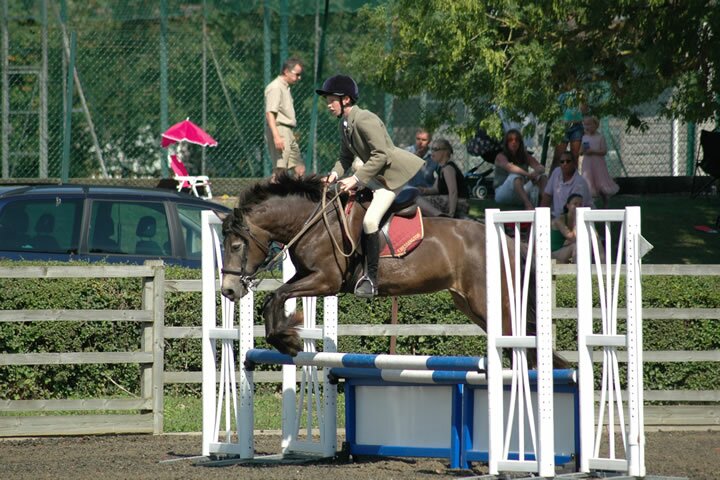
(465, 409)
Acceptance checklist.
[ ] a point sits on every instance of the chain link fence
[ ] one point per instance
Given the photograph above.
(216, 77)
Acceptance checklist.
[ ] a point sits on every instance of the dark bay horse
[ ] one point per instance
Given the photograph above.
(451, 256)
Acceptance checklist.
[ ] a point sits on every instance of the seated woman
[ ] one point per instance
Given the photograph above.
(515, 184)
(562, 235)
(449, 195)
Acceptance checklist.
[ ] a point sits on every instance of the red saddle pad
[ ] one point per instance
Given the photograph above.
(405, 235)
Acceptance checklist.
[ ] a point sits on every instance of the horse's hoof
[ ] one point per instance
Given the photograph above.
(294, 345)
(287, 344)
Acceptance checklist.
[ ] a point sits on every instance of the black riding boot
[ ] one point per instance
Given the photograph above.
(366, 287)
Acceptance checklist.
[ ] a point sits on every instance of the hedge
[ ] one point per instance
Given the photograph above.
(184, 309)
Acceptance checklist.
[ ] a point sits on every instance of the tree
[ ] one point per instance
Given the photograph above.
(522, 55)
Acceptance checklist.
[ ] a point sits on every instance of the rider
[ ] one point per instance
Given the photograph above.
(385, 169)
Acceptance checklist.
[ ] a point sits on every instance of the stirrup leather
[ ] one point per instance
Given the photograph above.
(365, 288)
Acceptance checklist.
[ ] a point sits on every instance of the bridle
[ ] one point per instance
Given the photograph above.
(246, 280)
(250, 281)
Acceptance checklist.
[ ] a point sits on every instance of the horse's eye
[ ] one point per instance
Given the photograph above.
(235, 247)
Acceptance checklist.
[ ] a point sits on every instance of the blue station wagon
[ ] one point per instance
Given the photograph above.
(101, 223)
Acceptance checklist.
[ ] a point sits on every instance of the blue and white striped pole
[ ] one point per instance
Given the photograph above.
(357, 360)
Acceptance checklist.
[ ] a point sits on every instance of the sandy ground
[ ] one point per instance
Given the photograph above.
(694, 455)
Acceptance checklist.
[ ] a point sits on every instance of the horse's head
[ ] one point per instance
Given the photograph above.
(246, 247)
(267, 210)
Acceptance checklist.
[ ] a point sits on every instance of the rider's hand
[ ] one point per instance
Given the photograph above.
(348, 183)
(330, 178)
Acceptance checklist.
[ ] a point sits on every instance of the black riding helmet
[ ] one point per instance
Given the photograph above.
(339, 85)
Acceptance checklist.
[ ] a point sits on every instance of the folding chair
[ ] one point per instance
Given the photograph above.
(710, 163)
(191, 182)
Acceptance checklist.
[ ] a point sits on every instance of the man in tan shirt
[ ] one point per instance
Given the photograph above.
(280, 120)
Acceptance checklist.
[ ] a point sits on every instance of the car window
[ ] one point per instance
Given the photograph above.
(131, 228)
(190, 217)
(51, 225)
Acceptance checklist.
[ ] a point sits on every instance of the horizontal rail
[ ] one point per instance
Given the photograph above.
(129, 271)
(265, 285)
(76, 404)
(269, 284)
(651, 270)
(438, 377)
(75, 424)
(76, 315)
(74, 358)
(648, 313)
(654, 356)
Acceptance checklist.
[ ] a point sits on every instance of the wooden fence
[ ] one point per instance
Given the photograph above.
(694, 409)
(30, 418)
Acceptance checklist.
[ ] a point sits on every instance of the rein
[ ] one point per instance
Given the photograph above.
(344, 224)
(249, 281)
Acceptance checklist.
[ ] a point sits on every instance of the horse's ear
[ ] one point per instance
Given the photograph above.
(221, 215)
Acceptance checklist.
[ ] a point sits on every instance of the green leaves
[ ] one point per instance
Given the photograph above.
(521, 55)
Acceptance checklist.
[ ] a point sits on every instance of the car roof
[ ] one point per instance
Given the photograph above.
(100, 191)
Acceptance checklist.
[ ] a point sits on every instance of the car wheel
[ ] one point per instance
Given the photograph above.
(480, 192)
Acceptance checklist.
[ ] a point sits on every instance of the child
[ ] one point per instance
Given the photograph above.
(563, 231)
(594, 168)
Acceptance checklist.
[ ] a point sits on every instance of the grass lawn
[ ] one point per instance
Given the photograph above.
(668, 223)
(184, 414)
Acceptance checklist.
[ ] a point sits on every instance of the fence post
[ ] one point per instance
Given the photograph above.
(153, 340)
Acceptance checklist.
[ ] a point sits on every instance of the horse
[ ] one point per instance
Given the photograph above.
(297, 212)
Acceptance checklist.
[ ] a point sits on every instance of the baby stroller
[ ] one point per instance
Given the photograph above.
(487, 148)
(479, 185)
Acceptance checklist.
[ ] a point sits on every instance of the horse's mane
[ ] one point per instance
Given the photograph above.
(284, 185)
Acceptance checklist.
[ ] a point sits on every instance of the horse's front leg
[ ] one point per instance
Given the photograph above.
(281, 331)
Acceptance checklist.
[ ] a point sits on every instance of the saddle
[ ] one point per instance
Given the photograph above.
(401, 226)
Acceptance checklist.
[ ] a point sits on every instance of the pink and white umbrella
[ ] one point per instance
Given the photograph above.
(187, 131)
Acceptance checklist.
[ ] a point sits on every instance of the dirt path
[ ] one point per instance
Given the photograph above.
(694, 455)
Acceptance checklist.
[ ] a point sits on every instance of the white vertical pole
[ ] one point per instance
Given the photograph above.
(246, 417)
(675, 159)
(636, 435)
(289, 373)
(209, 367)
(494, 331)
(543, 309)
(585, 327)
(330, 322)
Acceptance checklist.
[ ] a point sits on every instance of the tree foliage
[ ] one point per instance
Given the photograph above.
(521, 56)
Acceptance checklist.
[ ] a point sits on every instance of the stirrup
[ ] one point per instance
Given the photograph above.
(365, 288)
